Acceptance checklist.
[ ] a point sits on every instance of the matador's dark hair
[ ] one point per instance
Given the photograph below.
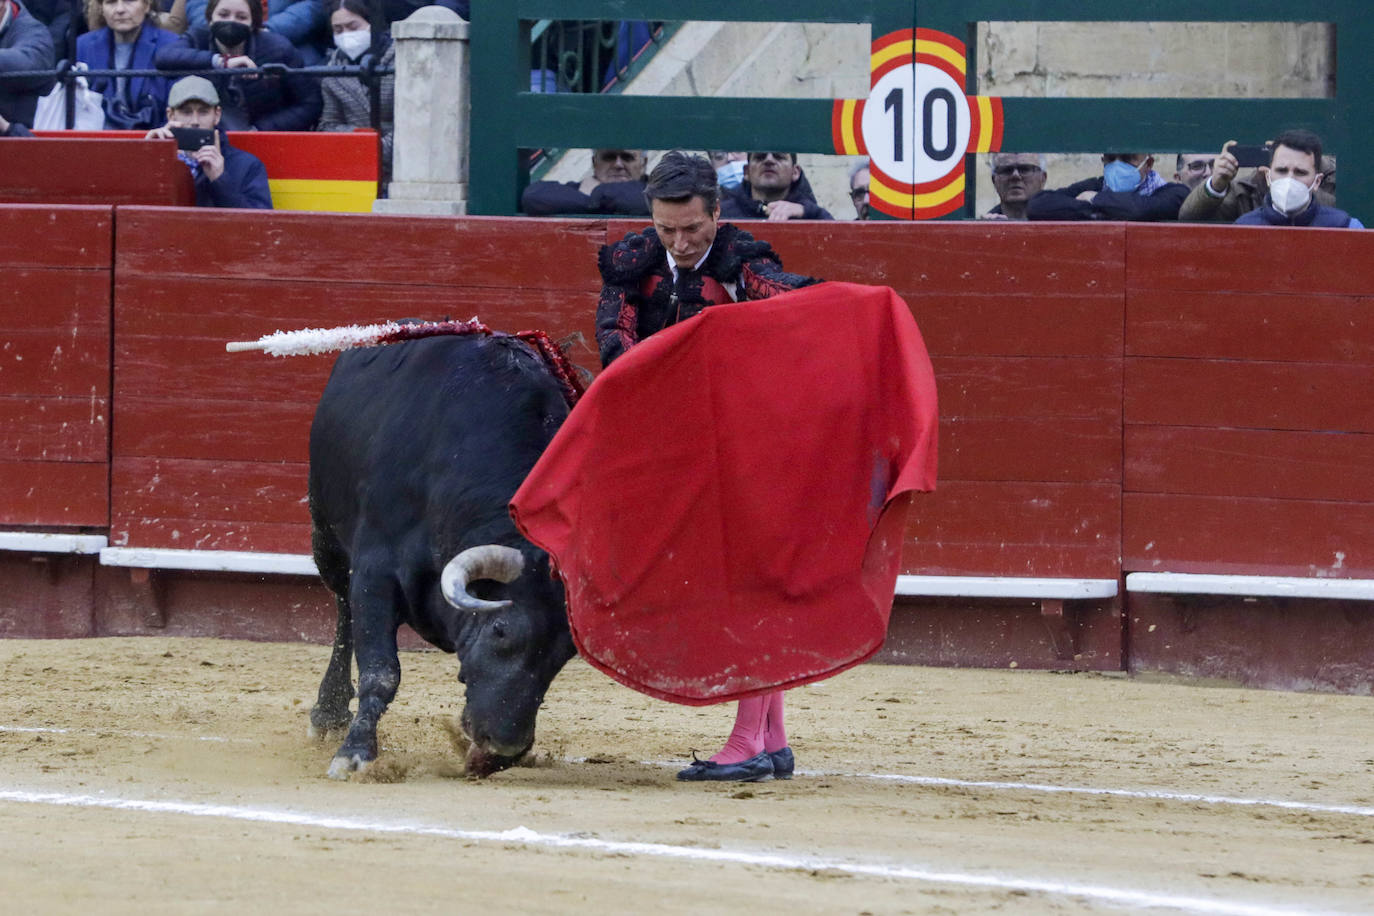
(679, 177)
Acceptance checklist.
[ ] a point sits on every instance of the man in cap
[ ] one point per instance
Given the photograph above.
(224, 175)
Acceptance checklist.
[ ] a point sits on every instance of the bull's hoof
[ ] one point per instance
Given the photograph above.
(342, 766)
(322, 721)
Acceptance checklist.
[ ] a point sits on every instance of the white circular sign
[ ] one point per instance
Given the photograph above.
(916, 124)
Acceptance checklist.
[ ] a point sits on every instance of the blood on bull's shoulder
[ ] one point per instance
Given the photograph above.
(415, 452)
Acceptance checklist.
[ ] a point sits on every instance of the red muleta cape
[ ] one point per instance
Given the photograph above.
(727, 503)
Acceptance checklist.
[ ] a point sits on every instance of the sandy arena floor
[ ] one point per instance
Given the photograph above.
(157, 776)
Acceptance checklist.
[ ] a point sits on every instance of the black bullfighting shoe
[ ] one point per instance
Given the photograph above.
(755, 768)
(783, 763)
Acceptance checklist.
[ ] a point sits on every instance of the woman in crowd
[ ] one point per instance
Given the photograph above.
(231, 39)
(301, 22)
(124, 36)
(348, 100)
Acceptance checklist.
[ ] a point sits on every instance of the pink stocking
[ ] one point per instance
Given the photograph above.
(746, 738)
(774, 733)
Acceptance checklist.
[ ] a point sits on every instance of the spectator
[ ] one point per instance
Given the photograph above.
(858, 189)
(775, 189)
(24, 45)
(1192, 169)
(616, 185)
(1294, 173)
(304, 23)
(126, 39)
(233, 38)
(347, 100)
(224, 175)
(1017, 177)
(1129, 189)
(8, 129)
(56, 16)
(1224, 196)
(729, 167)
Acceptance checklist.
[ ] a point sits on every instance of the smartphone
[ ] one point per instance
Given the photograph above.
(193, 138)
(1249, 157)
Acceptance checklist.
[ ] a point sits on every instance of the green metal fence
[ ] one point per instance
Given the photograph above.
(507, 117)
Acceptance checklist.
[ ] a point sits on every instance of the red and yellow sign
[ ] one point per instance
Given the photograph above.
(917, 124)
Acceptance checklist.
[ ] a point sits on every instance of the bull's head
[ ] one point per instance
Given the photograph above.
(521, 641)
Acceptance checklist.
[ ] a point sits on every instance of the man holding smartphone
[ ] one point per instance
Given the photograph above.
(224, 175)
(1225, 196)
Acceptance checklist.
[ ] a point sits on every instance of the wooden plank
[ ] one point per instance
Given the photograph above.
(81, 170)
(1061, 450)
(57, 299)
(65, 493)
(332, 249)
(211, 534)
(165, 366)
(1015, 529)
(248, 491)
(1246, 462)
(975, 288)
(245, 309)
(1252, 395)
(1299, 326)
(1248, 259)
(57, 362)
(1229, 535)
(1023, 387)
(54, 429)
(179, 427)
(74, 237)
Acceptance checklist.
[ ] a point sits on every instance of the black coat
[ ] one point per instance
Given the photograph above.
(1063, 203)
(290, 102)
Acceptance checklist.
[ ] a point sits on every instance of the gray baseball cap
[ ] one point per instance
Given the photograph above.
(190, 88)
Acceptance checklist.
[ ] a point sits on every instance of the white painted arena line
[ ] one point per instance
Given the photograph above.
(523, 836)
(97, 733)
(1153, 794)
(938, 781)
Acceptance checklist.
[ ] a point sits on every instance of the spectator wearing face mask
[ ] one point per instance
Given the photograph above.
(304, 23)
(1226, 194)
(347, 100)
(231, 39)
(614, 186)
(1129, 189)
(1294, 174)
(729, 167)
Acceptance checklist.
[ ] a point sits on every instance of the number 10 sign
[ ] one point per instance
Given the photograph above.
(917, 124)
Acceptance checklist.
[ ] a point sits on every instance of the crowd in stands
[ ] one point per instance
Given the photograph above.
(220, 37)
(223, 36)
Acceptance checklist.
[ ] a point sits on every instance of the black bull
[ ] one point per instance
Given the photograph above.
(415, 452)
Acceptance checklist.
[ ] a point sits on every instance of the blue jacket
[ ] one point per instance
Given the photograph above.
(1315, 214)
(96, 50)
(24, 45)
(290, 102)
(243, 184)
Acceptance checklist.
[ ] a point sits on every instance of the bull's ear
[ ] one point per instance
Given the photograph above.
(487, 561)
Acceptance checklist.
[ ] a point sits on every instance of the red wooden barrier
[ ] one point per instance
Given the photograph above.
(210, 450)
(88, 170)
(54, 365)
(1247, 420)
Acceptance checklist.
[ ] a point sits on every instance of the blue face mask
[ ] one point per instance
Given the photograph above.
(731, 174)
(1120, 176)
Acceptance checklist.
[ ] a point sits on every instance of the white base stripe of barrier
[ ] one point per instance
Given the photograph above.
(292, 564)
(1260, 586)
(39, 542)
(1005, 587)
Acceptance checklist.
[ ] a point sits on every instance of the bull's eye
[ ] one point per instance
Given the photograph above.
(498, 630)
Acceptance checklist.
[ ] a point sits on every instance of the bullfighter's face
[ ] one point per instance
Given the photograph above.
(685, 228)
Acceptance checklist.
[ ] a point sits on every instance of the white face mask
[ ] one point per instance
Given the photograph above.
(1289, 195)
(354, 43)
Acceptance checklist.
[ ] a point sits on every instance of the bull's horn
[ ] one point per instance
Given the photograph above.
(487, 561)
